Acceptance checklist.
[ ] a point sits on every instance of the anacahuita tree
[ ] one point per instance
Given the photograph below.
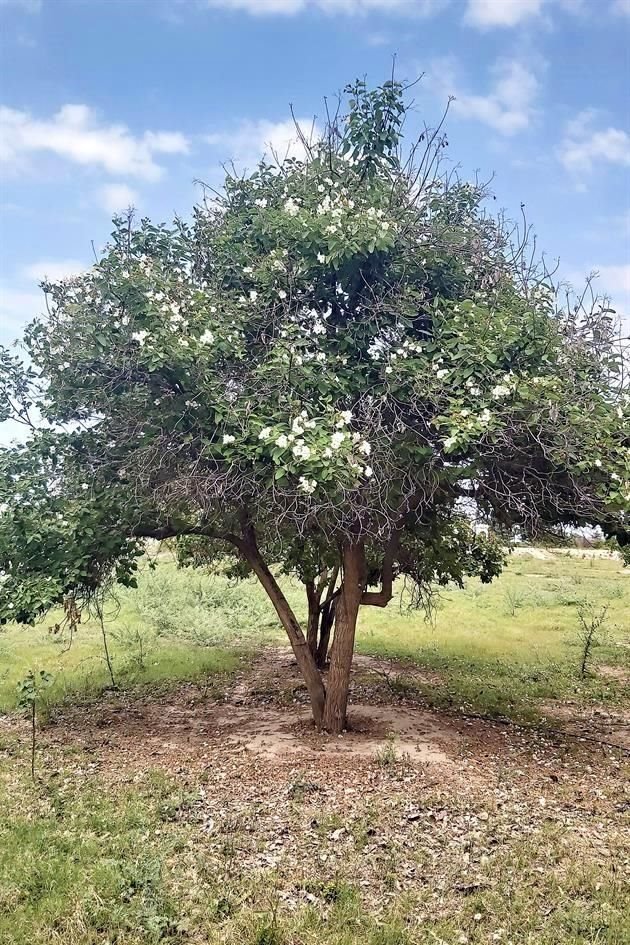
(337, 357)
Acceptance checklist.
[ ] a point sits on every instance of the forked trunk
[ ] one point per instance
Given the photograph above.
(301, 650)
(346, 612)
(312, 625)
(327, 619)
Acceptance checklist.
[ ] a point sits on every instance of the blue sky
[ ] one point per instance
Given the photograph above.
(104, 103)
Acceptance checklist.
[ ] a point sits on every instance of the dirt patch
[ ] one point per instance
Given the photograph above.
(606, 725)
(617, 673)
(412, 734)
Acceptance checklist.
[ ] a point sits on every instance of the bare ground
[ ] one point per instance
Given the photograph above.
(408, 799)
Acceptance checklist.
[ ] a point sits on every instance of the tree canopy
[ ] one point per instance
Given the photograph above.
(326, 367)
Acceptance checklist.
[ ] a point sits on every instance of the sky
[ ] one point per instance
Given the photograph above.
(111, 103)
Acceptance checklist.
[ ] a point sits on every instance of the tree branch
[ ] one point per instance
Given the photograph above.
(382, 598)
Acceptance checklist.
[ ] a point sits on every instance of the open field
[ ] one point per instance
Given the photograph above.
(480, 797)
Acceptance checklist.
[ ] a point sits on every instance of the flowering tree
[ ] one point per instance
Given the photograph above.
(336, 358)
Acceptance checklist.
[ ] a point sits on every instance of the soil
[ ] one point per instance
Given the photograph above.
(263, 712)
(406, 784)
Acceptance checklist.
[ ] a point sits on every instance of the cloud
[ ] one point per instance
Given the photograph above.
(53, 269)
(247, 143)
(75, 134)
(417, 8)
(586, 146)
(615, 279)
(27, 6)
(621, 7)
(17, 307)
(489, 13)
(117, 197)
(611, 281)
(508, 105)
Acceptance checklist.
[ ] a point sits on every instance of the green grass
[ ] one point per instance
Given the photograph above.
(498, 648)
(88, 861)
(81, 865)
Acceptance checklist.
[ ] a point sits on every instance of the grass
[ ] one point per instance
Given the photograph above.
(501, 648)
(498, 649)
(85, 860)
(79, 865)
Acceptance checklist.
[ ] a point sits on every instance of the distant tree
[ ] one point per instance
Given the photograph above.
(335, 358)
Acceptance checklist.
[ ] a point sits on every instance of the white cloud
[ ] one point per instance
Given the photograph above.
(117, 197)
(610, 281)
(247, 143)
(75, 134)
(489, 13)
(586, 146)
(621, 7)
(53, 269)
(418, 8)
(615, 282)
(17, 307)
(508, 105)
(615, 279)
(28, 6)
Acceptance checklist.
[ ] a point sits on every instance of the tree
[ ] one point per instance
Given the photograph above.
(335, 360)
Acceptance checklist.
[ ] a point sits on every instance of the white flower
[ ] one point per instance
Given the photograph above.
(385, 225)
(207, 338)
(475, 391)
(442, 373)
(388, 370)
(253, 295)
(307, 485)
(450, 442)
(598, 462)
(485, 415)
(368, 471)
(321, 258)
(291, 207)
(139, 336)
(247, 270)
(84, 486)
(297, 426)
(228, 438)
(282, 441)
(310, 424)
(337, 439)
(346, 416)
(265, 433)
(261, 202)
(183, 342)
(328, 453)
(365, 448)
(282, 294)
(501, 390)
(301, 450)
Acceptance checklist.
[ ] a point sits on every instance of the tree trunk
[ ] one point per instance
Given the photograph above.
(327, 619)
(312, 624)
(303, 655)
(346, 613)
